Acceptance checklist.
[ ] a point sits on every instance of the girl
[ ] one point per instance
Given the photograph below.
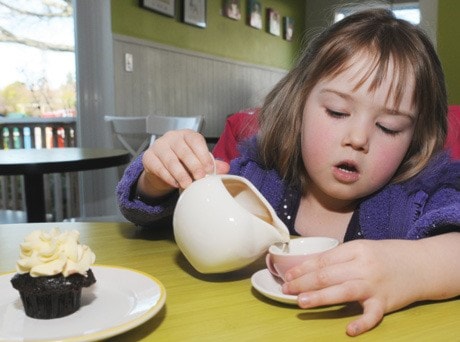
(349, 146)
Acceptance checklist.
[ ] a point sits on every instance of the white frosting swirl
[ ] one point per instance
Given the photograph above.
(50, 253)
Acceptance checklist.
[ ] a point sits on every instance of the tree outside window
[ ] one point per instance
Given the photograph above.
(38, 68)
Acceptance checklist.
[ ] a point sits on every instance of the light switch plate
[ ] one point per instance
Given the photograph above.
(129, 62)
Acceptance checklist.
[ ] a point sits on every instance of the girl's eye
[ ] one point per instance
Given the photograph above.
(340, 115)
(387, 130)
(335, 114)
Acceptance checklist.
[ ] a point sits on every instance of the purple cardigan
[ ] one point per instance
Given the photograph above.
(426, 205)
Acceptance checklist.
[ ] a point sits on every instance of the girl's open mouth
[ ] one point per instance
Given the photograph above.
(346, 172)
(347, 167)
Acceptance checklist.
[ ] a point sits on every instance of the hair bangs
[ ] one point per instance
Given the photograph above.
(384, 56)
(396, 66)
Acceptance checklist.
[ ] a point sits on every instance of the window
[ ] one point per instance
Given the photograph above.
(409, 11)
(37, 49)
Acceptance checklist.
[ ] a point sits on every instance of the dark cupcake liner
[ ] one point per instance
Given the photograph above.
(52, 296)
(48, 306)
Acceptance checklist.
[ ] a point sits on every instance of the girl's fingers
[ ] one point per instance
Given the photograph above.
(349, 291)
(344, 293)
(319, 279)
(178, 158)
(371, 317)
(176, 167)
(197, 144)
(192, 153)
(322, 266)
(222, 167)
(155, 168)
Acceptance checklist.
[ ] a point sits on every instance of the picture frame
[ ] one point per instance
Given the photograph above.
(288, 31)
(165, 7)
(274, 22)
(231, 9)
(194, 12)
(255, 14)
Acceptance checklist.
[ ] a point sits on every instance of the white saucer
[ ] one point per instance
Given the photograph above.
(120, 300)
(270, 286)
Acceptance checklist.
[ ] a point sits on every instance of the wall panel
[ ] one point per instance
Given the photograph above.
(172, 81)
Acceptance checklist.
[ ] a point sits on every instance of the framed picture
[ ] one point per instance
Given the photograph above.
(194, 12)
(288, 28)
(166, 7)
(232, 9)
(255, 14)
(274, 22)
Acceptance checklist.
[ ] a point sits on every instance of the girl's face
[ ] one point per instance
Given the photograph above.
(353, 138)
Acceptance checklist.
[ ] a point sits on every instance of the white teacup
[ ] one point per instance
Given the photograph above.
(223, 223)
(281, 258)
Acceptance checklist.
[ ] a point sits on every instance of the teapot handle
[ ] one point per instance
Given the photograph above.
(214, 171)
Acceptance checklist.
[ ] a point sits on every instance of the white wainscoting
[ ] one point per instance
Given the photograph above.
(171, 81)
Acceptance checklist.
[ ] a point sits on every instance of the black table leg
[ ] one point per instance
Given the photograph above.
(35, 198)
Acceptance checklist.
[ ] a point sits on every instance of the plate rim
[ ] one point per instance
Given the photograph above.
(123, 327)
(285, 299)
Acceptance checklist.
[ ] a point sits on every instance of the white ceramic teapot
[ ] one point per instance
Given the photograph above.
(223, 223)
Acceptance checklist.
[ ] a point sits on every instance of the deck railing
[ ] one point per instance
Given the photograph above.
(61, 190)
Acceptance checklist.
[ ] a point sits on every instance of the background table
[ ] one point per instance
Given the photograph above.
(225, 307)
(34, 163)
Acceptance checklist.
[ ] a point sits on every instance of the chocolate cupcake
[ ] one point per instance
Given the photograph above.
(51, 272)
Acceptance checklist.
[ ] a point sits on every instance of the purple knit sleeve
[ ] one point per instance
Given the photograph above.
(440, 214)
(425, 206)
(437, 199)
(134, 209)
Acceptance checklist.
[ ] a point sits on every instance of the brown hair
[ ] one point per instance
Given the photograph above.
(386, 38)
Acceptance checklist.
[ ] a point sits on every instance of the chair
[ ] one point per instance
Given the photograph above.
(238, 127)
(453, 134)
(158, 125)
(130, 132)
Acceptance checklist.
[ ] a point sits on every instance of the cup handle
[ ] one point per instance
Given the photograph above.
(270, 267)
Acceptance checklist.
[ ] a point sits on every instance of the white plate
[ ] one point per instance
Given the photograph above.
(120, 300)
(270, 286)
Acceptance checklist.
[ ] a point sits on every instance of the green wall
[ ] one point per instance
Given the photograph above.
(449, 45)
(222, 37)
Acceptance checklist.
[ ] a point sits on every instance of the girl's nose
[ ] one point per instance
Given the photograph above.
(357, 138)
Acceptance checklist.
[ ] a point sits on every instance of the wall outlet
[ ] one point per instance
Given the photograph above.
(129, 62)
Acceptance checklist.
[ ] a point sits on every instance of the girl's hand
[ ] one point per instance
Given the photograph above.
(383, 276)
(174, 161)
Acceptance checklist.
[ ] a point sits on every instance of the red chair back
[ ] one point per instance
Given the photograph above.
(453, 132)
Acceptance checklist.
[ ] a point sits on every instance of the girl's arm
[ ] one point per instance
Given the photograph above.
(146, 191)
(383, 276)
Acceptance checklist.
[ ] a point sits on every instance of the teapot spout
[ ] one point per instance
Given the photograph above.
(267, 234)
(283, 231)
